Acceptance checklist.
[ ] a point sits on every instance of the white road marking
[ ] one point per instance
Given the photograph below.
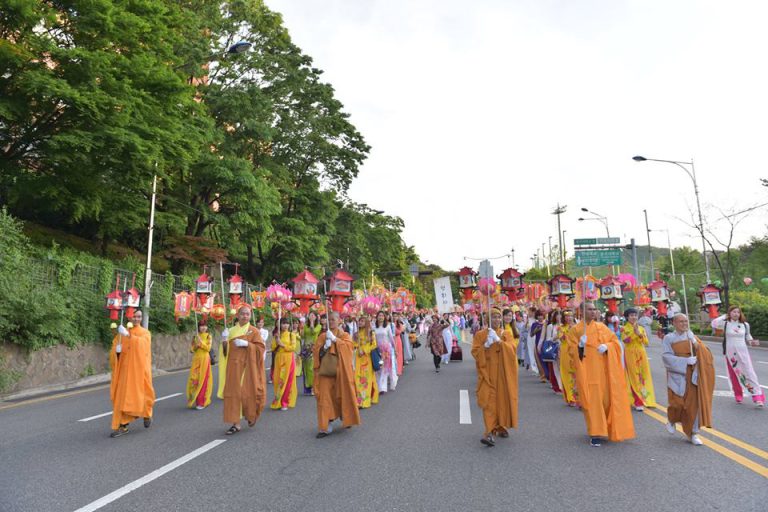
(763, 362)
(724, 393)
(722, 377)
(110, 412)
(109, 498)
(465, 415)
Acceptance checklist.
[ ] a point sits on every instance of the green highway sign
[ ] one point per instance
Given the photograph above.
(598, 257)
(596, 241)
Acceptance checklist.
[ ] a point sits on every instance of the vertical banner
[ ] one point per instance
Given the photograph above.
(443, 295)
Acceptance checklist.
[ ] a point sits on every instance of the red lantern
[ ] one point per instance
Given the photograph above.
(114, 304)
(659, 296)
(203, 289)
(467, 282)
(710, 299)
(235, 290)
(182, 305)
(218, 312)
(512, 284)
(305, 289)
(339, 289)
(561, 289)
(610, 293)
(258, 299)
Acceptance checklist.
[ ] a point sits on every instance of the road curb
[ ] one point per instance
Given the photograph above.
(84, 383)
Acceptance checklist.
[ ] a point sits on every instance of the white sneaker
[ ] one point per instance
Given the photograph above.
(199, 407)
(671, 428)
(283, 408)
(696, 440)
(640, 408)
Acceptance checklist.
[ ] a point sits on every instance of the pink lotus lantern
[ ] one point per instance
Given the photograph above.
(370, 305)
(487, 286)
(747, 281)
(278, 293)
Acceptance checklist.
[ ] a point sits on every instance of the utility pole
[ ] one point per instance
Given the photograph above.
(650, 252)
(559, 211)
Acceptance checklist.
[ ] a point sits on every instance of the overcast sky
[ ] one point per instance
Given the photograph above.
(483, 115)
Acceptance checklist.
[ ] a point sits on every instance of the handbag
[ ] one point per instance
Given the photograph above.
(376, 359)
(213, 356)
(549, 351)
(328, 364)
(456, 353)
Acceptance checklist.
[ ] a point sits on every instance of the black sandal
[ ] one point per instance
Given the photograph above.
(232, 430)
(121, 431)
(251, 425)
(321, 435)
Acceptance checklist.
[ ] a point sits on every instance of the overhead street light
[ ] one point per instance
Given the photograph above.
(691, 174)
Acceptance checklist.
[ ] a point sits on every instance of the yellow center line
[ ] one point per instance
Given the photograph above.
(722, 450)
(736, 442)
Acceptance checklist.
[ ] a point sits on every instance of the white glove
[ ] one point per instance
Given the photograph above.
(583, 341)
(488, 342)
(330, 336)
(118, 348)
(123, 331)
(602, 348)
(225, 334)
(691, 360)
(493, 336)
(239, 342)
(327, 343)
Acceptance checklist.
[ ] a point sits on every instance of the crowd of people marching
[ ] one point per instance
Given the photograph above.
(597, 363)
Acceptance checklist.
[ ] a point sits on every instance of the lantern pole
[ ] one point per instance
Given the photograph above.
(223, 295)
(584, 308)
(122, 311)
(148, 270)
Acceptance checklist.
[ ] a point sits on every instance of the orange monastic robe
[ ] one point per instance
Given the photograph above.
(601, 383)
(131, 389)
(496, 380)
(336, 396)
(245, 391)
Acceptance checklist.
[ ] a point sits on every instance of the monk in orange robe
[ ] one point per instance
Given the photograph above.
(596, 354)
(245, 392)
(690, 380)
(131, 389)
(336, 395)
(496, 362)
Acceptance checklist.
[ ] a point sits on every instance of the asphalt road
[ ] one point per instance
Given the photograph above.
(411, 453)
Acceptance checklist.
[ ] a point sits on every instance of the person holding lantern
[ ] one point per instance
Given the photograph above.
(690, 380)
(741, 372)
(200, 382)
(335, 378)
(567, 368)
(639, 377)
(131, 390)
(495, 353)
(600, 379)
(365, 377)
(284, 371)
(245, 393)
(552, 360)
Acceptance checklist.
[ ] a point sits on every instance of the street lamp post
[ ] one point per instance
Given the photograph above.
(604, 220)
(691, 174)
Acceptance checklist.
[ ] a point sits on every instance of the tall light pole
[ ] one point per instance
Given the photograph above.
(650, 252)
(597, 216)
(691, 174)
